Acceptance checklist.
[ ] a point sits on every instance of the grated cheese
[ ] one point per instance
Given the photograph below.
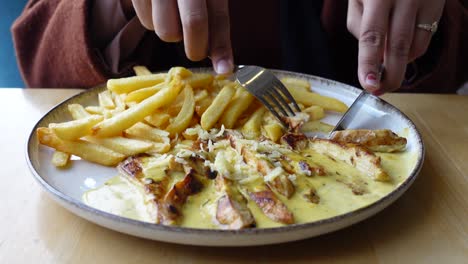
(192, 131)
(275, 154)
(273, 174)
(292, 177)
(222, 144)
(180, 160)
(221, 132)
(222, 164)
(185, 153)
(210, 145)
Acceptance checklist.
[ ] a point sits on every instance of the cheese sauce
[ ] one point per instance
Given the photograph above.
(342, 190)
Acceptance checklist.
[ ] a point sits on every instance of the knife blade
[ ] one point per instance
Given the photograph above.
(355, 107)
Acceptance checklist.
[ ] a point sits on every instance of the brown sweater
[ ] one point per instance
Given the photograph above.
(81, 43)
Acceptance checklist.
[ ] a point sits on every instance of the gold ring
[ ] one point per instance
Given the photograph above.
(429, 27)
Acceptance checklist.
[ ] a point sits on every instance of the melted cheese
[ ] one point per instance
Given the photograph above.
(120, 197)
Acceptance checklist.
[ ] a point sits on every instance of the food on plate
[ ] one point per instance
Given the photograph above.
(197, 150)
(382, 140)
(60, 159)
(355, 155)
(215, 110)
(308, 98)
(86, 150)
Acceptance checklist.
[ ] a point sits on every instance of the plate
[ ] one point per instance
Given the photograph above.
(66, 186)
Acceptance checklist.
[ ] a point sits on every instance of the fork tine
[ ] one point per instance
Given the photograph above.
(282, 100)
(275, 102)
(286, 93)
(271, 109)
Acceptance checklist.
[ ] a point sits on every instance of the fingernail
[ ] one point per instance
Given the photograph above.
(372, 80)
(223, 67)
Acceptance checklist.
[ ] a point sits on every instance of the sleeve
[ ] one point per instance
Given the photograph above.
(78, 43)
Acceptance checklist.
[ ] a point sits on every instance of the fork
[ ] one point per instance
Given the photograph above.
(262, 84)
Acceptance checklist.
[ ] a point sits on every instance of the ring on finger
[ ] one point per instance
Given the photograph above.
(429, 27)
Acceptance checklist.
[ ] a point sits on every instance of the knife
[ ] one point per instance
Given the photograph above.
(349, 116)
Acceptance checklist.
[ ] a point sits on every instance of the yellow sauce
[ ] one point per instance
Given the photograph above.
(120, 197)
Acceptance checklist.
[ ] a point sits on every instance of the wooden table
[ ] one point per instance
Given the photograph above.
(428, 224)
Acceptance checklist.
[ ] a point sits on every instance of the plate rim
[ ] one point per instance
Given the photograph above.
(385, 200)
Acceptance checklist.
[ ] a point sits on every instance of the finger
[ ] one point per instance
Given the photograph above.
(372, 35)
(143, 11)
(422, 37)
(420, 44)
(194, 17)
(166, 20)
(398, 46)
(354, 17)
(220, 36)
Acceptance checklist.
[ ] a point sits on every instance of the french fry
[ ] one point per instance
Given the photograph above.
(131, 104)
(86, 150)
(200, 80)
(254, 106)
(315, 112)
(115, 125)
(60, 159)
(158, 119)
(251, 128)
(77, 111)
(101, 111)
(174, 108)
(236, 107)
(223, 82)
(119, 102)
(296, 83)
(202, 105)
(75, 129)
(160, 148)
(146, 132)
(220, 77)
(184, 117)
(316, 126)
(143, 93)
(126, 146)
(105, 100)
(191, 133)
(202, 94)
(129, 84)
(141, 70)
(274, 131)
(309, 98)
(179, 72)
(95, 110)
(215, 110)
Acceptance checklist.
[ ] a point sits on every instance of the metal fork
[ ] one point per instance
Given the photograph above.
(262, 84)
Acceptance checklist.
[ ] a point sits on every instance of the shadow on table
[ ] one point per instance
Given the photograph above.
(396, 223)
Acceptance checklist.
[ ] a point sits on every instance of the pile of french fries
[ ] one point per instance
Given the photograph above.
(149, 113)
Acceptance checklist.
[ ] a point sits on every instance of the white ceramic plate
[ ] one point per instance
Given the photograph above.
(67, 186)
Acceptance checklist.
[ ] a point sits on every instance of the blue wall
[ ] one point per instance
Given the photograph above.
(9, 74)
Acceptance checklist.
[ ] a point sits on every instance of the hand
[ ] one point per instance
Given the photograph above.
(387, 33)
(203, 25)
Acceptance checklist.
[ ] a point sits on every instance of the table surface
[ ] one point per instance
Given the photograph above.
(428, 224)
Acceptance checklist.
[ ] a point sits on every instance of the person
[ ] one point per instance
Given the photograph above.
(420, 43)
